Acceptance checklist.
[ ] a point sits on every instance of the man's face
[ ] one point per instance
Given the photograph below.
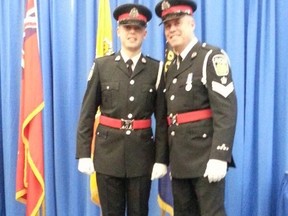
(179, 32)
(131, 36)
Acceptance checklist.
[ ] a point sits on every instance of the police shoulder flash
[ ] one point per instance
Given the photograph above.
(149, 57)
(220, 64)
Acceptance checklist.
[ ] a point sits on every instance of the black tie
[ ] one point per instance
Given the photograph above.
(129, 66)
(178, 61)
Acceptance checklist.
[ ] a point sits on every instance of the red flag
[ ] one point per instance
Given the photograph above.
(30, 166)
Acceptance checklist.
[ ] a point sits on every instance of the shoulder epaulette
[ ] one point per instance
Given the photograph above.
(209, 47)
(153, 59)
(105, 56)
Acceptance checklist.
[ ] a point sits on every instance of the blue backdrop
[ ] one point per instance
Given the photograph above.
(253, 32)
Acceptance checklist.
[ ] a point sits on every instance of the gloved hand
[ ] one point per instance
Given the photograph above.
(85, 165)
(215, 170)
(159, 170)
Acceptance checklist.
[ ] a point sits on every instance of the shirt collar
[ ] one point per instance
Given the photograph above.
(134, 58)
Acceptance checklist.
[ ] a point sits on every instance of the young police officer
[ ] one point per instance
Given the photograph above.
(127, 87)
(201, 105)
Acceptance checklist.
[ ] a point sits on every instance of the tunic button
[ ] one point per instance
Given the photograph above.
(204, 135)
(107, 87)
(132, 82)
(173, 133)
(131, 98)
(128, 132)
(174, 81)
(150, 90)
(130, 116)
(164, 90)
(172, 97)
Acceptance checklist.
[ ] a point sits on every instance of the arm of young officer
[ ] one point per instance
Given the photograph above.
(160, 168)
(86, 166)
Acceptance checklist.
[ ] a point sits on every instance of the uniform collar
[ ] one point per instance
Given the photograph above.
(187, 49)
(134, 58)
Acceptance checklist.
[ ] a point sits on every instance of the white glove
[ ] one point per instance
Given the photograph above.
(215, 170)
(159, 170)
(85, 165)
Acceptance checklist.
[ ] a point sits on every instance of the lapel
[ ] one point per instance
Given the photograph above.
(140, 65)
(120, 64)
(185, 64)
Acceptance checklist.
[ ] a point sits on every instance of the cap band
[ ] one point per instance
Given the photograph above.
(127, 16)
(177, 9)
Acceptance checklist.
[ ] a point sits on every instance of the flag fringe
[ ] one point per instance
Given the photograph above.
(165, 206)
(20, 194)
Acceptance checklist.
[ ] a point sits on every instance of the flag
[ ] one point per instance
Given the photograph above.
(104, 30)
(103, 47)
(165, 198)
(30, 166)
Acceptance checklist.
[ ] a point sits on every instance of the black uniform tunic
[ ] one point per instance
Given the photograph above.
(124, 153)
(203, 81)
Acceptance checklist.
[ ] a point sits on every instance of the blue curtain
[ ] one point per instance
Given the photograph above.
(253, 33)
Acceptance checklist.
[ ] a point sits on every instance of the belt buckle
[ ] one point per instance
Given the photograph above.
(173, 119)
(126, 124)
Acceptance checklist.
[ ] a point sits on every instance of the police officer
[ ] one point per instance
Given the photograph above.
(128, 88)
(201, 109)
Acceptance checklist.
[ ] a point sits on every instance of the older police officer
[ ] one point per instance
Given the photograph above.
(201, 109)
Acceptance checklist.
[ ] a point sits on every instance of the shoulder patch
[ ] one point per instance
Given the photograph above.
(220, 64)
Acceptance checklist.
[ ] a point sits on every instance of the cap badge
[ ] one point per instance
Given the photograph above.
(133, 13)
(165, 5)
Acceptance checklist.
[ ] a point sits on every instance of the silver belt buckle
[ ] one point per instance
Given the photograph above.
(173, 119)
(126, 124)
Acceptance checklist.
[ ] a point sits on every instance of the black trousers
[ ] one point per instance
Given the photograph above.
(198, 197)
(117, 194)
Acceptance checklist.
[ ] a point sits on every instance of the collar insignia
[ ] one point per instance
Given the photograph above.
(117, 58)
(194, 54)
